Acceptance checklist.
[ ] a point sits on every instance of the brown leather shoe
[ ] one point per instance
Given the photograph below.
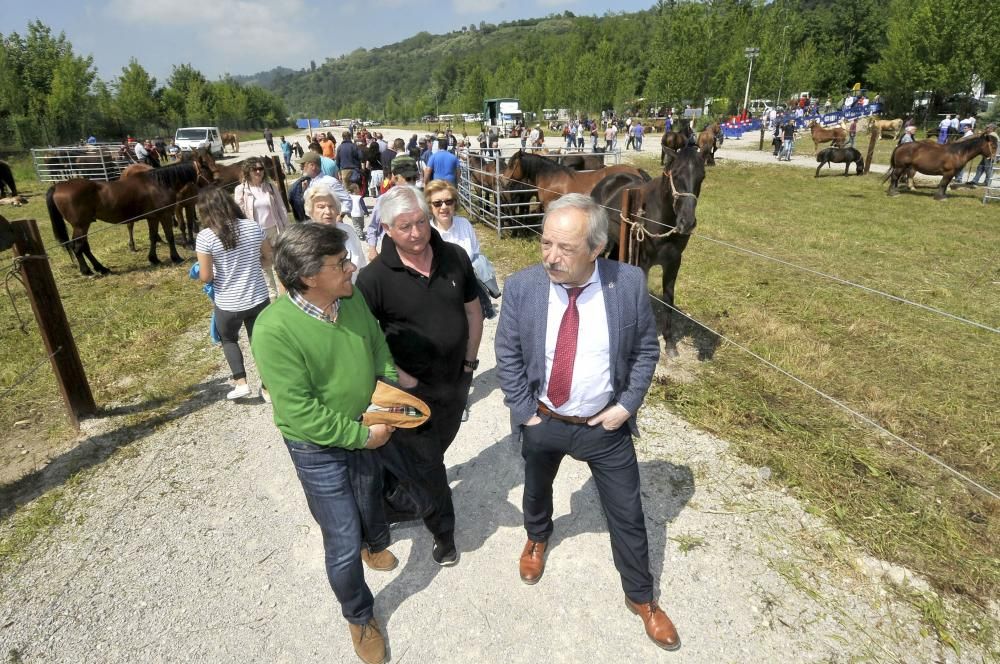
(658, 626)
(383, 561)
(532, 562)
(368, 642)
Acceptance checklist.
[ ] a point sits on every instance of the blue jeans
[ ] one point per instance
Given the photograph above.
(323, 472)
(786, 150)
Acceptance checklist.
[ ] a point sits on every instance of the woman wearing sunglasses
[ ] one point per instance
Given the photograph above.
(259, 200)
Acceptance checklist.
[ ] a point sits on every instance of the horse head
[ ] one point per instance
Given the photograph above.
(514, 171)
(206, 167)
(684, 171)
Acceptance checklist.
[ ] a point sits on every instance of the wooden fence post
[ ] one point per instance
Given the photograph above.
(876, 134)
(52, 322)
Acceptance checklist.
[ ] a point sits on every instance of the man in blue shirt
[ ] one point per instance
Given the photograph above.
(442, 165)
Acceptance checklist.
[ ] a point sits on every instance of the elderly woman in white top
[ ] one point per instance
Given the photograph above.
(259, 200)
(323, 207)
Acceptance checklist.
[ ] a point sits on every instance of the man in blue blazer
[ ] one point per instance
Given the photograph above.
(576, 349)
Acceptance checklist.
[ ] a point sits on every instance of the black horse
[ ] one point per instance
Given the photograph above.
(7, 180)
(662, 220)
(846, 156)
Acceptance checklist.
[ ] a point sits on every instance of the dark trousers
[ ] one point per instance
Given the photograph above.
(228, 324)
(323, 473)
(613, 464)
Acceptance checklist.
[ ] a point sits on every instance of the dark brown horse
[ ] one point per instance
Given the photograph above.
(579, 162)
(662, 220)
(932, 159)
(676, 140)
(150, 197)
(7, 180)
(709, 140)
(554, 180)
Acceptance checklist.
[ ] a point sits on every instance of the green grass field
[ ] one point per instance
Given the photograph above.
(930, 380)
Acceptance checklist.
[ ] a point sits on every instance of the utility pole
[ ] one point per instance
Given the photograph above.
(784, 54)
(750, 53)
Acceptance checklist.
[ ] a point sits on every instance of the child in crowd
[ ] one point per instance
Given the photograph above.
(358, 209)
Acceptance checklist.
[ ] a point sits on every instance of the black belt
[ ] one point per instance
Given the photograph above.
(572, 419)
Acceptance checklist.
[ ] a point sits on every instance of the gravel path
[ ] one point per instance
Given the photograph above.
(195, 544)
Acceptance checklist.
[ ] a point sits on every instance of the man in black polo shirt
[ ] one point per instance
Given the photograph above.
(424, 294)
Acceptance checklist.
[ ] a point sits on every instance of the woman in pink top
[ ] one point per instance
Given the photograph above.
(259, 200)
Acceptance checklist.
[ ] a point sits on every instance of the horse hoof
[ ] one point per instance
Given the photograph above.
(176, 260)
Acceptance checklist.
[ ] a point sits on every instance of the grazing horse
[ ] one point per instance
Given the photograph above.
(676, 140)
(837, 136)
(7, 180)
(931, 158)
(554, 180)
(709, 139)
(661, 223)
(81, 202)
(232, 140)
(846, 156)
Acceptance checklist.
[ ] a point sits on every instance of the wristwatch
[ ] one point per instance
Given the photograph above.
(471, 364)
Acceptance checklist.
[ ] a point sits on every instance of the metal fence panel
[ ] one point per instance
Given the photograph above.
(103, 161)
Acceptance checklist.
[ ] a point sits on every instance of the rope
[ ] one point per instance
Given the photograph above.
(818, 273)
(27, 374)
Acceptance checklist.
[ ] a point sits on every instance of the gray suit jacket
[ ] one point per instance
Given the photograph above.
(520, 340)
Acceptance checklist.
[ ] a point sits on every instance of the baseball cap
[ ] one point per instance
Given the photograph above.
(405, 166)
(310, 157)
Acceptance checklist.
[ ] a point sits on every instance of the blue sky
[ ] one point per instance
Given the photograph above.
(247, 36)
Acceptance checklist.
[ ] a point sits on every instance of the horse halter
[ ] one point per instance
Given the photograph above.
(678, 194)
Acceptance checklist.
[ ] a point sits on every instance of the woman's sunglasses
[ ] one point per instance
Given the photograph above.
(450, 202)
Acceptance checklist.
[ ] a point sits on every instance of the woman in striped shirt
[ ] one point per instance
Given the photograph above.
(232, 254)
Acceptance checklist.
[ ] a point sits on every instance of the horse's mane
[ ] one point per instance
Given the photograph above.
(533, 165)
(180, 173)
(967, 144)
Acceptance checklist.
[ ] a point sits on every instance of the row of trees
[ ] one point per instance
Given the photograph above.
(679, 51)
(50, 95)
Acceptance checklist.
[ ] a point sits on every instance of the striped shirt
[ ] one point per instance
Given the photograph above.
(237, 275)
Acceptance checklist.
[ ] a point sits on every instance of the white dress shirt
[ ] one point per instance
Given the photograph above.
(591, 389)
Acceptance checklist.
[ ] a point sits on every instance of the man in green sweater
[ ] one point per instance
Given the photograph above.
(319, 350)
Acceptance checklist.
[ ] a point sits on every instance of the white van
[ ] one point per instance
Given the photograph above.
(192, 138)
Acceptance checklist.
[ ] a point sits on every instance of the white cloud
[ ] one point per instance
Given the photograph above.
(481, 7)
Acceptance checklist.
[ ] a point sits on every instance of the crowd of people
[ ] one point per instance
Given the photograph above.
(335, 304)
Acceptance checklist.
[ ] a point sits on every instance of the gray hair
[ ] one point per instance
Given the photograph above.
(319, 191)
(401, 199)
(301, 249)
(597, 218)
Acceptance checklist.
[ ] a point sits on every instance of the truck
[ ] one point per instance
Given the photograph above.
(502, 115)
(193, 138)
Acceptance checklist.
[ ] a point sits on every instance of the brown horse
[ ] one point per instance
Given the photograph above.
(890, 128)
(554, 180)
(708, 142)
(837, 136)
(931, 158)
(579, 162)
(661, 222)
(676, 140)
(184, 210)
(232, 140)
(151, 197)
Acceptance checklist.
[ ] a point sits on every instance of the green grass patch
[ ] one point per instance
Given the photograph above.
(928, 379)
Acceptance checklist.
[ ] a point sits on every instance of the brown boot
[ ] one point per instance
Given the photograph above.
(658, 626)
(368, 642)
(532, 562)
(383, 561)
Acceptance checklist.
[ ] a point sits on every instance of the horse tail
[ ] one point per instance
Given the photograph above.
(56, 218)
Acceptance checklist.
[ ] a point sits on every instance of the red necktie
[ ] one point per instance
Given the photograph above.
(561, 377)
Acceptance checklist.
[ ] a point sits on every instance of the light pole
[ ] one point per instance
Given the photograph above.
(781, 77)
(750, 52)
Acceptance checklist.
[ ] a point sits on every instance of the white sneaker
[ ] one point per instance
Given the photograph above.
(264, 395)
(465, 414)
(239, 392)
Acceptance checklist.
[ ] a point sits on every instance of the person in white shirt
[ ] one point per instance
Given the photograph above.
(967, 133)
(324, 208)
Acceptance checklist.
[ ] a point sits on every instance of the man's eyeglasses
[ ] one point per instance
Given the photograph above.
(343, 263)
(450, 202)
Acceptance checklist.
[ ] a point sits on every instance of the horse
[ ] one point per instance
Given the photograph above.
(883, 126)
(7, 180)
(676, 140)
(931, 158)
(845, 156)
(184, 212)
(580, 162)
(553, 180)
(661, 225)
(708, 142)
(232, 140)
(81, 202)
(837, 136)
